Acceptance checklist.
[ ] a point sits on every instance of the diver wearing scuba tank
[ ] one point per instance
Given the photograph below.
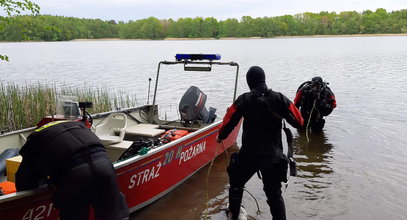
(315, 100)
(263, 110)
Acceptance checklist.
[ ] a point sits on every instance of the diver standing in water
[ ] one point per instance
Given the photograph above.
(315, 100)
(263, 110)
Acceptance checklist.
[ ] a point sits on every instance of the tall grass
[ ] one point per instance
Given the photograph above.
(24, 106)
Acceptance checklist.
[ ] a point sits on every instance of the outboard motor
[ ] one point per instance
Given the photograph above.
(192, 107)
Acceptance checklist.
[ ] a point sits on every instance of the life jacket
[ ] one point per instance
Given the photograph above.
(173, 134)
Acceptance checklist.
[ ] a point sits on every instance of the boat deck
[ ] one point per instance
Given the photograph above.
(144, 131)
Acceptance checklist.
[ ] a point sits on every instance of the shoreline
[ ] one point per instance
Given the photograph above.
(223, 38)
(248, 38)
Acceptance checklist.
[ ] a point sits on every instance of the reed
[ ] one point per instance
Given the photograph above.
(24, 106)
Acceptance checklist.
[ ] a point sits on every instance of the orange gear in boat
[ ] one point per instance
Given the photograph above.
(174, 134)
(7, 187)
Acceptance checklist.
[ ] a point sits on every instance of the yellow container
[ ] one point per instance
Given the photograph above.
(12, 165)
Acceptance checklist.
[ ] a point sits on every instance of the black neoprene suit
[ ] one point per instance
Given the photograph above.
(262, 111)
(71, 158)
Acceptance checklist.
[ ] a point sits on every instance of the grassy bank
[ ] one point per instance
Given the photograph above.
(249, 38)
(24, 106)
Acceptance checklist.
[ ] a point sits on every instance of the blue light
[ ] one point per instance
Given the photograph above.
(192, 57)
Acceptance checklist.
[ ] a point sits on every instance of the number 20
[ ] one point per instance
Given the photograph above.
(168, 157)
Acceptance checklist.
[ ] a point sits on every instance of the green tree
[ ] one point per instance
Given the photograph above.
(327, 20)
(12, 8)
(152, 29)
(210, 27)
(348, 22)
(246, 26)
(229, 28)
(370, 22)
(288, 25)
(309, 23)
(59, 28)
(398, 20)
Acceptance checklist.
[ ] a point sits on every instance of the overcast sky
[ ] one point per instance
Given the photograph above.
(125, 10)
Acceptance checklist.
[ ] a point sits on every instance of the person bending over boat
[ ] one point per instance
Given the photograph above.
(315, 100)
(70, 158)
(262, 110)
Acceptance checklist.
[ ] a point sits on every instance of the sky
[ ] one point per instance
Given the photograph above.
(126, 10)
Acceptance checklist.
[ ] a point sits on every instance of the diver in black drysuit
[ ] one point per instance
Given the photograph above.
(315, 100)
(70, 158)
(262, 149)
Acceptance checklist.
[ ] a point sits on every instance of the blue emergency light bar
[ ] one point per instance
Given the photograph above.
(180, 57)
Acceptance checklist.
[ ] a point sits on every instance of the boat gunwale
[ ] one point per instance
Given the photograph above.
(22, 194)
(17, 132)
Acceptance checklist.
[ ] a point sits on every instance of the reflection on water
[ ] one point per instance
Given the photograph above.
(188, 201)
(313, 159)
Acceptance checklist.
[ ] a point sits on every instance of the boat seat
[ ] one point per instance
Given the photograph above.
(123, 145)
(112, 129)
(116, 150)
(147, 130)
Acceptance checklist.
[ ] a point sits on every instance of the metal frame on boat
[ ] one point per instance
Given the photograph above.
(143, 177)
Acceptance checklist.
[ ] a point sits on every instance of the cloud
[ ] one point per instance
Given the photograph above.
(125, 10)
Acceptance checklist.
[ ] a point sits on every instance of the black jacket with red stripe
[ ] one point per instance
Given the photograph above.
(305, 97)
(262, 110)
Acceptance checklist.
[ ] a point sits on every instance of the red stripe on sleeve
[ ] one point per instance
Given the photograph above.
(296, 114)
(333, 101)
(226, 120)
(297, 97)
(228, 115)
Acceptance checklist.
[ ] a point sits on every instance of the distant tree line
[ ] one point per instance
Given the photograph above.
(58, 28)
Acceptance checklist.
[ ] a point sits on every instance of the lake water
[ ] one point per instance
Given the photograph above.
(355, 169)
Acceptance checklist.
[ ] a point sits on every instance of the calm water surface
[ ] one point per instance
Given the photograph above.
(355, 169)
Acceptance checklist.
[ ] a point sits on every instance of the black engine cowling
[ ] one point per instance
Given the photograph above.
(192, 107)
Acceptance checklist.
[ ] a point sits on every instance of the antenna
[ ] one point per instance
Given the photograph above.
(148, 94)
